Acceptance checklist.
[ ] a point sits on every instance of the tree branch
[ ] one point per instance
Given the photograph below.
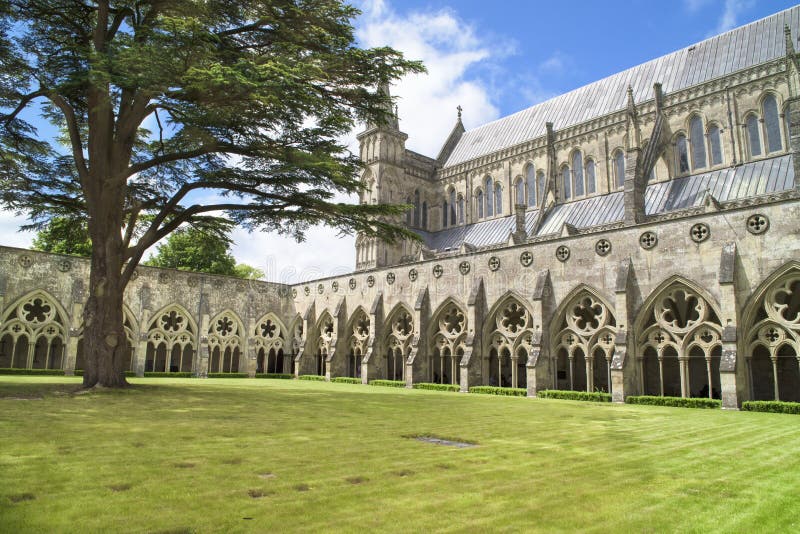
(74, 134)
(23, 104)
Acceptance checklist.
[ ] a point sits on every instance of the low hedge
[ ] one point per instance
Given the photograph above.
(228, 375)
(679, 402)
(494, 390)
(437, 387)
(37, 372)
(282, 376)
(318, 378)
(388, 383)
(565, 394)
(346, 380)
(772, 407)
(128, 374)
(161, 374)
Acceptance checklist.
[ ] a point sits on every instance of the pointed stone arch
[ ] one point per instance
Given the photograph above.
(447, 334)
(323, 344)
(582, 334)
(357, 335)
(399, 332)
(771, 323)
(33, 332)
(226, 337)
(171, 340)
(269, 338)
(508, 339)
(678, 340)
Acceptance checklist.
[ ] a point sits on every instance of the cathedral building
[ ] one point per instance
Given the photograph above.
(638, 235)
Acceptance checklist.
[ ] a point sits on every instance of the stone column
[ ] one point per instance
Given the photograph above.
(539, 369)
(71, 354)
(141, 348)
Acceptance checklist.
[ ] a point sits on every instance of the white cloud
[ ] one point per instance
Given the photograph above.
(10, 234)
(555, 64)
(730, 14)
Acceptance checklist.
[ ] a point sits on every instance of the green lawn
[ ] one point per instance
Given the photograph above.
(172, 455)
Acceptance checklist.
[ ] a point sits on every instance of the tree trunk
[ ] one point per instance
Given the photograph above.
(105, 343)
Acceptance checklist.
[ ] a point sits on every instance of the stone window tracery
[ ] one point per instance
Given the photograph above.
(772, 124)
(170, 342)
(269, 340)
(33, 334)
(577, 173)
(698, 142)
(753, 135)
(591, 181)
(679, 345)
(715, 144)
(565, 181)
(681, 155)
(225, 343)
(324, 342)
(359, 336)
(489, 208)
(583, 344)
(510, 344)
(447, 345)
(619, 168)
(530, 183)
(398, 343)
(773, 342)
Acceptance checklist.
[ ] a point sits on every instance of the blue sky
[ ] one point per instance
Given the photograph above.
(493, 59)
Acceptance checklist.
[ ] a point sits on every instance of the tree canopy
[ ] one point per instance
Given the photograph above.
(206, 112)
(62, 235)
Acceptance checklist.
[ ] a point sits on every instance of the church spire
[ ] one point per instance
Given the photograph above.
(388, 108)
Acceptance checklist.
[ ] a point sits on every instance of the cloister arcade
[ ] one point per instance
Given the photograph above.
(397, 343)
(268, 340)
(225, 343)
(509, 331)
(448, 332)
(33, 333)
(171, 339)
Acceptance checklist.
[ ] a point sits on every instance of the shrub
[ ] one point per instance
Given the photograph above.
(437, 387)
(590, 396)
(346, 380)
(679, 402)
(38, 372)
(772, 407)
(128, 374)
(494, 390)
(318, 378)
(228, 375)
(388, 383)
(161, 374)
(283, 376)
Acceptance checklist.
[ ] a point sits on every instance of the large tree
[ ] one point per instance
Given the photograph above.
(184, 111)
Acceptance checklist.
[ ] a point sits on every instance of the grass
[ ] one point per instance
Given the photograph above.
(238, 455)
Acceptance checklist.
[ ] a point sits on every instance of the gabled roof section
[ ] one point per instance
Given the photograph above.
(758, 42)
(452, 141)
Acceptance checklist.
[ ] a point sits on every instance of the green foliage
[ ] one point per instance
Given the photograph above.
(228, 375)
(247, 272)
(62, 235)
(190, 249)
(281, 376)
(494, 390)
(388, 383)
(679, 402)
(772, 407)
(317, 378)
(346, 380)
(594, 396)
(128, 374)
(437, 387)
(39, 372)
(161, 374)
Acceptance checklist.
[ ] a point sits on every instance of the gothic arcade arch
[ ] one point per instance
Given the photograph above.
(171, 340)
(226, 336)
(33, 332)
(447, 333)
(678, 341)
(772, 340)
(325, 334)
(582, 335)
(269, 341)
(358, 333)
(397, 341)
(508, 338)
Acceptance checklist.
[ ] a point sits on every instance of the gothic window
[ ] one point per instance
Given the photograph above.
(591, 183)
(398, 343)
(787, 131)
(698, 142)
(479, 202)
(323, 342)
(773, 355)
(444, 214)
(269, 342)
(424, 215)
(510, 344)
(170, 341)
(679, 345)
(460, 209)
(225, 343)
(540, 183)
(519, 191)
(489, 196)
(715, 144)
(577, 173)
(619, 168)
(565, 179)
(530, 182)
(583, 344)
(410, 212)
(753, 136)
(772, 124)
(33, 334)
(498, 199)
(681, 154)
(447, 345)
(452, 206)
(359, 336)
(416, 209)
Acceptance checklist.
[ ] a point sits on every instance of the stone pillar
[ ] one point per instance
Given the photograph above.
(71, 351)
(539, 369)
(634, 188)
(473, 352)
(141, 348)
(732, 376)
(625, 371)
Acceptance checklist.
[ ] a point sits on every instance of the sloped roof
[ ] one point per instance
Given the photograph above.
(740, 48)
(753, 179)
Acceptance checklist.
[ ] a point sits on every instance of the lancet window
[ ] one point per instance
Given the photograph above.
(269, 341)
(510, 344)
(33, 334)
(447, 345)
(170, 342)
(398, 343)
(224, 343)
(359, 336)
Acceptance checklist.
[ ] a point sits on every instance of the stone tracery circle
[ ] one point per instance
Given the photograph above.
(494, 263)
(700, 232)
(562, 253)
(412, 275)
(648, 240)
(757, 224)
(602, 247)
